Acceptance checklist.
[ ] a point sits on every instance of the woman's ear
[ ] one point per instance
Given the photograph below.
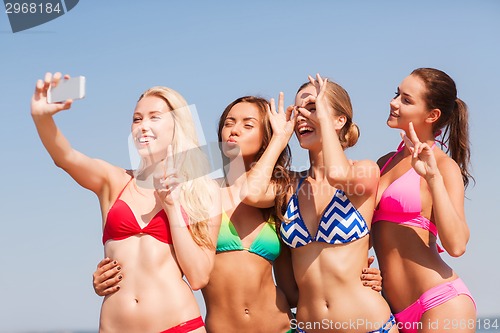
(433, 116)
(340, 122)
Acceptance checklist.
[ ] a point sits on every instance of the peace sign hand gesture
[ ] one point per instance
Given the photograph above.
(168, 185)
(282, 123)
(423, 159)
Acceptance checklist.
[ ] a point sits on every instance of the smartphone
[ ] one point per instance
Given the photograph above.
(73, 88)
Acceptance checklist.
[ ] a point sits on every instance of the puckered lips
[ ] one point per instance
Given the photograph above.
(231, 142)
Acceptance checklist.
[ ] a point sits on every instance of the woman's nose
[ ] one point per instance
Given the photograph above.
(394, 103)
(235, 130)
(300, 116)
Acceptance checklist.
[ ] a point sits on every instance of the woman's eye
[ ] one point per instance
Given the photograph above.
(249, 126)
(135, 120)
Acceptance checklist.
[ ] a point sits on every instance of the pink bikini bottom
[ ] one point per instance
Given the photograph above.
(409, 319)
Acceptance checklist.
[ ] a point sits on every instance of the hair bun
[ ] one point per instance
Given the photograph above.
(352, 135)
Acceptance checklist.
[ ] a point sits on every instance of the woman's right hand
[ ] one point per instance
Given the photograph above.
(106, 277)
(39, 104)
(282, 123)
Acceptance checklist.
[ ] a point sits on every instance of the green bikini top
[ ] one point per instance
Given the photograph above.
(266, 244)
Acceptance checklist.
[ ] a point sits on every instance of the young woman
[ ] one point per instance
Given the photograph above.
(160, 221)
(328, 213)
(241, 295)
(421, 193)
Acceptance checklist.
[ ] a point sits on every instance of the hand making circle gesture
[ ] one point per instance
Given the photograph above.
(322, 109)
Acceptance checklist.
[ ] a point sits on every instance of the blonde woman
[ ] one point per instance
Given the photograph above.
(241, 295)
(160, 221)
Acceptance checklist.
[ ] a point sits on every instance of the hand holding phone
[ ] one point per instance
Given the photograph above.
(72, 88)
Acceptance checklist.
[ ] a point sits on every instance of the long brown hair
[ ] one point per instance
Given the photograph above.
(280, 177)
(441, 93)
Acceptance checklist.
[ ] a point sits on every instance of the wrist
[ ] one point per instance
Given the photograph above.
(175, 212)
(280, 139)
(40, 116)
(433, 180)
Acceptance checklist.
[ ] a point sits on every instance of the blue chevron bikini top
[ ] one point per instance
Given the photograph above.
(341, 222)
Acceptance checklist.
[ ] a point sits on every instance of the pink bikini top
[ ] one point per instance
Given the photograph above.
(401, 204)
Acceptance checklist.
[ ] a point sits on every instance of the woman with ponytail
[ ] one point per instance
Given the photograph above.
(328, 211)
(421, 195)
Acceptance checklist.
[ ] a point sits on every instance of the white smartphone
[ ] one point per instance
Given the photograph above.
(73, 88)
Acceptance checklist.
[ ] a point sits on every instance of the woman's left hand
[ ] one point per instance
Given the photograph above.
(422, 156)
(282, 122)
(168, 186)
(322, 110)
(371, 276)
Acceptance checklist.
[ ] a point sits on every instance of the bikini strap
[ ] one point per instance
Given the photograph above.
(400, 148)
(123, 189)
(300, 183)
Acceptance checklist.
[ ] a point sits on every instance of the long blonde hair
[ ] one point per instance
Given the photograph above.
(192, 164)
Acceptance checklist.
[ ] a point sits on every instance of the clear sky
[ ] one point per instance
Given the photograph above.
(213, 52)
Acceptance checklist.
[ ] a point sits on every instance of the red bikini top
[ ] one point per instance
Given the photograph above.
(121, 223)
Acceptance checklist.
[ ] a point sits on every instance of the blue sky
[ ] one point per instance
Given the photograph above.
(212, 53)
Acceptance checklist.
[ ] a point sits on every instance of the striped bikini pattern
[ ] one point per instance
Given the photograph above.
(340, 223)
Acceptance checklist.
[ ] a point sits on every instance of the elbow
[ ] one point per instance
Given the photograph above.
(250, 200)
(198, 282)
(62, 162)
(334, 177)
(458, 246)
(456, 251)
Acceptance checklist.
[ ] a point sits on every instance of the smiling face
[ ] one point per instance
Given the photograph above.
(242, 132)
(304, 130)
(152, 128)
(408, 104)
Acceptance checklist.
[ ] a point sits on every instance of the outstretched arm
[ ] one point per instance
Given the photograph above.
(258, 191)
(89, 173)
(447, 190)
